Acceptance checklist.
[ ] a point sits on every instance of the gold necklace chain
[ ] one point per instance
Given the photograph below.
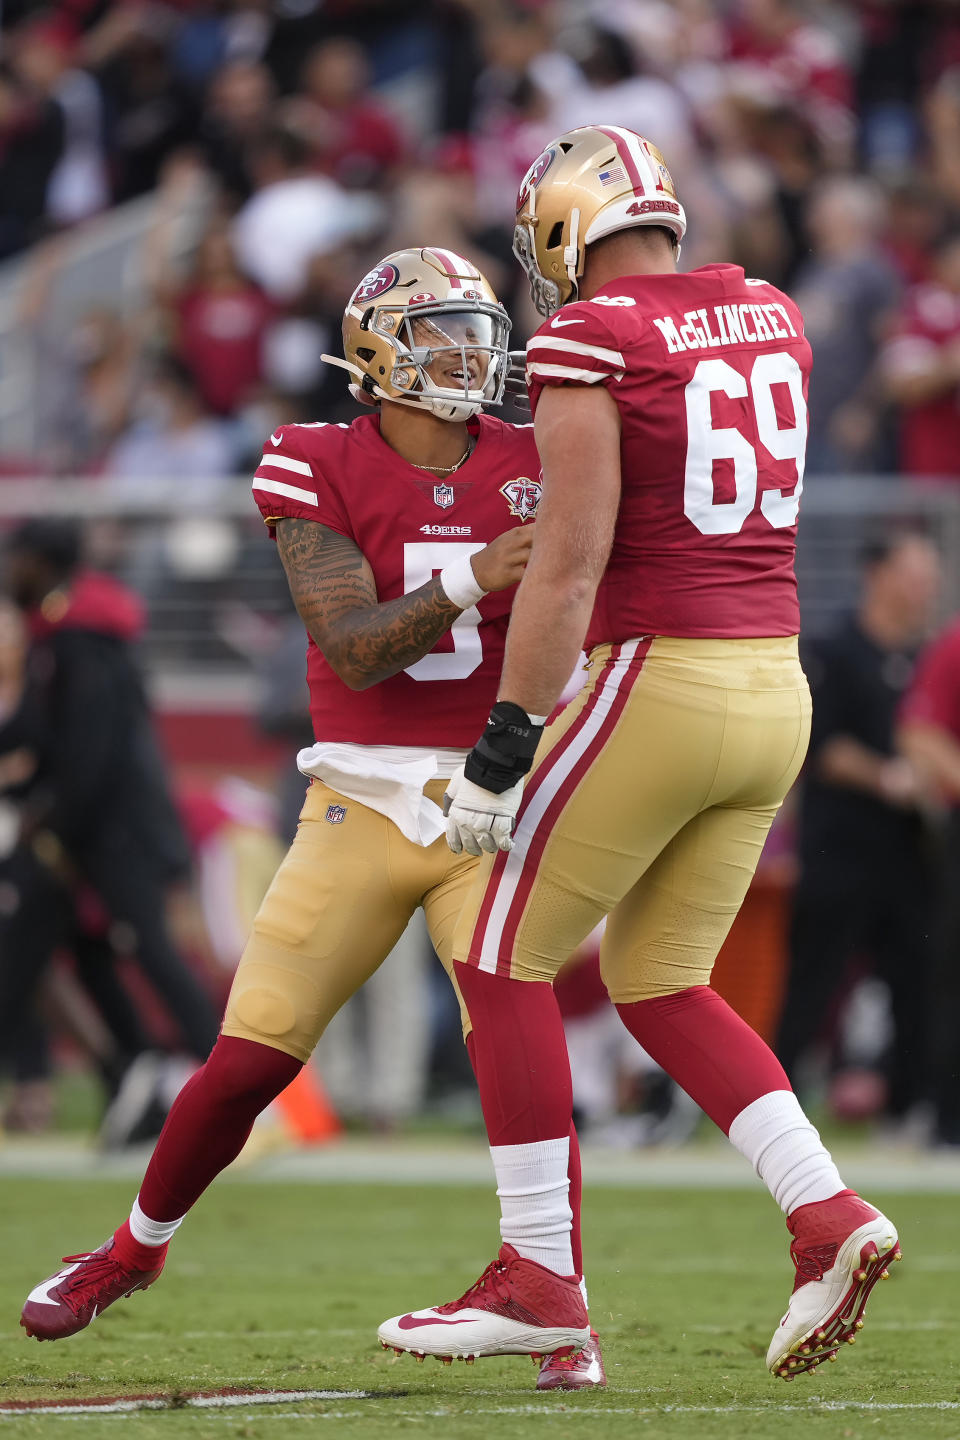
(447, 469)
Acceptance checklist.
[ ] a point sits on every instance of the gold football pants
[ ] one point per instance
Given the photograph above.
(650, 801)
(338, 904)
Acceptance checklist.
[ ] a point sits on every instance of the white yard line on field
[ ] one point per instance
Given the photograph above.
(279, 1398)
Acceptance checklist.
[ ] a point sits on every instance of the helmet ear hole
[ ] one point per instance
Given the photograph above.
(365, 353)
(555, 236)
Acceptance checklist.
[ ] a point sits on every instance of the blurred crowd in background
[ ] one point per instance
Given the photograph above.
(815, 142)
(282, 147)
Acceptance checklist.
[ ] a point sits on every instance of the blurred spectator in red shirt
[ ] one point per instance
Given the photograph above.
(221, 321)
(352, 137)
(931, 715)
(921, 366)
(930, 736)
(778, 49)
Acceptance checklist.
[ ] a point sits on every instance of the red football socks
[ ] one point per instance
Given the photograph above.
(707, 1049)
(134, 1255)
(209, 1123)
(520, 1056)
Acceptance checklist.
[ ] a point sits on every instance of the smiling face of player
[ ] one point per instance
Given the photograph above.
(456, 342)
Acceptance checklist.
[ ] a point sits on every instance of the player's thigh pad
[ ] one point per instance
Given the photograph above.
(337, 906)
(644, 754)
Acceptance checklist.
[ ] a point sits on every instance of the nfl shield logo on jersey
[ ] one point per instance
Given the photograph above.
(336, 814)
(523, 496)
(443, 496)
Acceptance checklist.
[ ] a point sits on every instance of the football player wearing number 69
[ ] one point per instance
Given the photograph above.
(670, 417)
(403, 536)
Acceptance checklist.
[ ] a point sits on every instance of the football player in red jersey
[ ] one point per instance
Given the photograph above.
(402, 536)
(670, 417)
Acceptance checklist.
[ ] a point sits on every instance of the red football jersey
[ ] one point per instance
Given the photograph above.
(409, 525)
(709, 372)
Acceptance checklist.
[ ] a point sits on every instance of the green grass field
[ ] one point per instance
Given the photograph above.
(280, 1286)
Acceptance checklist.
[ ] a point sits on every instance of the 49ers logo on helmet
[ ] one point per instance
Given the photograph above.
(523, 496)
(376, 282)
(533, 177)
(423, 297)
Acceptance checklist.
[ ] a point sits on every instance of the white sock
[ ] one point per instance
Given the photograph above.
(534, 1189)
(151, 1232)
(785, 1150)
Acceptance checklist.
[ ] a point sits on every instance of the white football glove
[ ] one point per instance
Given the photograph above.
(476, 818)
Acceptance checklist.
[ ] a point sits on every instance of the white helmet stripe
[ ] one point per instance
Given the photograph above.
(455, 265)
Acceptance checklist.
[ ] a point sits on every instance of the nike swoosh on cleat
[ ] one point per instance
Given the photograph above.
(410, 1322)
(41, 1295)
(558, 324)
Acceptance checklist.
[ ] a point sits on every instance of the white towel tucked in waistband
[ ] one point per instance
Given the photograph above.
(392, 787)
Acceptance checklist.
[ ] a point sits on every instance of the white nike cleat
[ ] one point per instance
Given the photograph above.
(841, 1248)
(574, 1372)
(517, 1307)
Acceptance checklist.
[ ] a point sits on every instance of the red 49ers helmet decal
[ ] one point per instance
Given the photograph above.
(375, 283)
(533, 177)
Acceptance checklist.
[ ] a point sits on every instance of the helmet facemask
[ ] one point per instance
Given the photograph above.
(451, 357)
(544, 293)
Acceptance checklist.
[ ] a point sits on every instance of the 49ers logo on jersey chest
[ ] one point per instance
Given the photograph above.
(523, 496)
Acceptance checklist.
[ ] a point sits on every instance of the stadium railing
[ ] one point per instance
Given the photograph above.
(215, 589)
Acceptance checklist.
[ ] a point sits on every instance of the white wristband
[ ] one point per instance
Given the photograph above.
(460, 584)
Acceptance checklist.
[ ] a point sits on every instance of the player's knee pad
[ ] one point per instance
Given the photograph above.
(275, 1001)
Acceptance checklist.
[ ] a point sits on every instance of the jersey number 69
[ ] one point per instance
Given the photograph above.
(707, 444)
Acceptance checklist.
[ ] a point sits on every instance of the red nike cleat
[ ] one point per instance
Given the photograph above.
(69, 1300)
(517, 1307)
(583, 1371)
(841, 1248)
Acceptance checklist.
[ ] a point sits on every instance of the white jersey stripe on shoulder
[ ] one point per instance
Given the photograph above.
(567, 372)
(278, 487)
(284, 462)
(531, 818)
(575, 347)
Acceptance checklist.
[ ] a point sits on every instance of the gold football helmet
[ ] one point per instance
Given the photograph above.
(587, 184)
(424, 328)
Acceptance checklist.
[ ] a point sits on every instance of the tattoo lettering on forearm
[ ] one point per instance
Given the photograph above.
(335, 594)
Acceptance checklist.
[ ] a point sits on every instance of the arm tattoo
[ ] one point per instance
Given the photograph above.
(335, 594)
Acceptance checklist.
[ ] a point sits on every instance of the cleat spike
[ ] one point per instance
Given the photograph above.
(804, 1349)
(859, 1325)
(820, 1335)
(397, 1351)
(897, 1255)
(383, 1344)
(884, 1274)
(445, 1359)
(859, 1274)
(469, 1359)
(832, 1356)
(851, 1339)
(419, 1358)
